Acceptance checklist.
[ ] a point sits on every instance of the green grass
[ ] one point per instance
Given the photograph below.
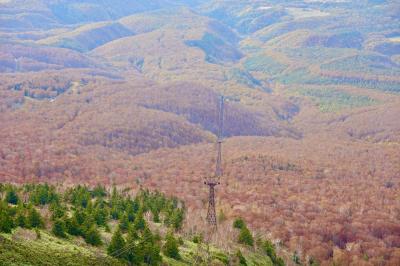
(49, 250)
(332, 100)
(15, 249)
(256, 259)
(196, 254)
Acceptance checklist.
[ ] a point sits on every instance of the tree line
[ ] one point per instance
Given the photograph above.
(81, 211)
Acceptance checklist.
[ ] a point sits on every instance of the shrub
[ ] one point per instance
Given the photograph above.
(241, 258)
(269, 249)
(245, 237)
(170, 248)
(92, 236)
(59, 228)
(197, 239)
(239, 223)
(21, 220)
(34, 218)
(6, 222)
(73, 227)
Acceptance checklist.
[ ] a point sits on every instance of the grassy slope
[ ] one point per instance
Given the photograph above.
(22, 248)
(49, 250)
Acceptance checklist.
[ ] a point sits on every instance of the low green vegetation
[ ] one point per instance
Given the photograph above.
(243, 77)
(316, 54)
(303, 76)
(42, 248)
(265, 64)
(372, 64)
(245, 237)
(40, 225)
(216, 49)
(171, 246)
(332, 100)
(298, 76)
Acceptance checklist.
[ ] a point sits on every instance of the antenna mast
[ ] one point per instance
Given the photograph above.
(214, 180)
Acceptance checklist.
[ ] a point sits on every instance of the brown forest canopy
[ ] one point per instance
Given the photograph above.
(126, 92)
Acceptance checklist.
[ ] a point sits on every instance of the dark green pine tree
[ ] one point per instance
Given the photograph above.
(117, 244)
(11, 196)
(130, 211)
(92, 236)
(136, 205)
(156, 216)
(34, 218)
(171, 247)
(150, 248)
(135, 254)
(140, 223)
(58, 211)
(88, 222)
(245, 237)
(99, 191)
(241, 259)
(124, 223)
(132, 234)
(100, 216)
(239, 223)
(73, 227)
(59, 228)
(80, 216)
(177, 219)
(21, 219)
(115, 213)
(6, 221)
(269, 248)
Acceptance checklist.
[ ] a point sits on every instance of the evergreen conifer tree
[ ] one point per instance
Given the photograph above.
(20, 219)
(140, 223)
(245, 237)
(239, 223)
(11, 196)
(59, 228)
(124, 223)
(241, 259)
(6, 222)
(170, 248)
(135, 254)
(92, 236)
(34, 218)
(150, 248)
(73, 227)
(116, 245)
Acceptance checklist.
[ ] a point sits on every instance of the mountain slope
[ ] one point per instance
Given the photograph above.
(126, 92)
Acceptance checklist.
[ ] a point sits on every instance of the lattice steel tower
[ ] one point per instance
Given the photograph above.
(215, 179)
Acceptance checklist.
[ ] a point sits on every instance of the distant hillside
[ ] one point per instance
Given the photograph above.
(126, 92)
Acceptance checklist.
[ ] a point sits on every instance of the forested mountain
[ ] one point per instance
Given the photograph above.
(125, 92)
